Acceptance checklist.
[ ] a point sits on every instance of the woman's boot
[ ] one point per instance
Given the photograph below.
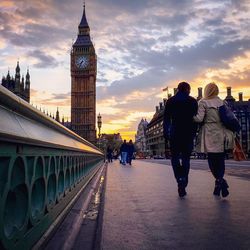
(217, 187)
(224, 188)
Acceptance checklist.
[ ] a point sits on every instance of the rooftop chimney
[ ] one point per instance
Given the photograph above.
(165, 101)
(161, 106)
(157, 109)
(241, 97)
(229, 97)
(199, 94)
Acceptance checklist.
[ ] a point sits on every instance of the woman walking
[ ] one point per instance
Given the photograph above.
(212, 135)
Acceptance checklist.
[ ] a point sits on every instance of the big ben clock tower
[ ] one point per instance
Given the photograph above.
(83, 83)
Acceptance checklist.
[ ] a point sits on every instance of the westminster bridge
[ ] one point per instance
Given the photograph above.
(57, 193)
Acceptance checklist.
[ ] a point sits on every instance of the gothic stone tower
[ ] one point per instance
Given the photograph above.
(83, 83)
(17, 84)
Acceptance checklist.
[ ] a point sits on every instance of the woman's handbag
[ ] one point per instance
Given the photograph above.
(238, 152)
(228, 118)
(229, 140)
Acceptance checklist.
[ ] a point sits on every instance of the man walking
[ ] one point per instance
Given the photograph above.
(180, 130)
(131, 150)
(124, 152)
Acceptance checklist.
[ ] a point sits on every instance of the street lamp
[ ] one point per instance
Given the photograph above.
(99, 125)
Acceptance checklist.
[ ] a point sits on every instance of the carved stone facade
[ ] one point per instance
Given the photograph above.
(140, 137)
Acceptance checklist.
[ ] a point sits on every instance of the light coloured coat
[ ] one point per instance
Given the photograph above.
(213, 137)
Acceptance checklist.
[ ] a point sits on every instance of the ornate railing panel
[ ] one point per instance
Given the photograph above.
(43, 166)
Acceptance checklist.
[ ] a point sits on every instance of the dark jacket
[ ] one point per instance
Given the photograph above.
(124, 147)
(109, 152)
(131, 148)
(178, 118)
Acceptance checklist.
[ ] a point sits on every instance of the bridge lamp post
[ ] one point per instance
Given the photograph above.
(99, 124)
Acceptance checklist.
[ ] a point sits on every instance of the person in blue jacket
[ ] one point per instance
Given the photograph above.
(124, 152)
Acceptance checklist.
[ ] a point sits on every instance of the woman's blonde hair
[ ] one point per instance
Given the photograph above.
(211, 90)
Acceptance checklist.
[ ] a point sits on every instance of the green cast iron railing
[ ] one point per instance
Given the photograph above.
(43, 166)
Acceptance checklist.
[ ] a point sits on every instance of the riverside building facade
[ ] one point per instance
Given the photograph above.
(154, 132)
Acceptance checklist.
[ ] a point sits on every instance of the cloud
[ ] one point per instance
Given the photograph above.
(43, 60)
(142, 46)
(46, 99)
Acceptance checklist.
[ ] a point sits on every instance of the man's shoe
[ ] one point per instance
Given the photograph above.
(181, 191)
(224, 188)
(217, 188)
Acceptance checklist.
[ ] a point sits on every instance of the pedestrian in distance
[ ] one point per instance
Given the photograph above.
(212, 135)
(109, 153)
(131, 150)
(180, 130)
(124, 152)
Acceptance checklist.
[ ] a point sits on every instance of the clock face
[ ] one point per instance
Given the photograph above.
(82, 62)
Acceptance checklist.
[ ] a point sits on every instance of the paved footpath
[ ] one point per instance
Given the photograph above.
(143, 211)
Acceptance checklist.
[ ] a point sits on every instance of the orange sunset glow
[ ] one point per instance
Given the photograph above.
(141, 46)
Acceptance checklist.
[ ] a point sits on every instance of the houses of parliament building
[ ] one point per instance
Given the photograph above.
(17, 84)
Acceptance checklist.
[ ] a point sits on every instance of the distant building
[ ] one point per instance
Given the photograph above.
(242, 111)
(140, 137)
(17, 85)
(67, 124)
(154, 132)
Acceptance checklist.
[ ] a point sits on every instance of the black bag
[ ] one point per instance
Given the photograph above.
(228, 118)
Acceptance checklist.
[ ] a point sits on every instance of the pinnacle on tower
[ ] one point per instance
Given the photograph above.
(27, 74)
(83, 37)
(27, 80)
(57, 115)
(17, 67)
(8, 75)
(84, 22)
(22, 84)
(17, 76)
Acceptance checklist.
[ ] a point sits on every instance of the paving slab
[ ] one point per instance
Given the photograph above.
(143, 211)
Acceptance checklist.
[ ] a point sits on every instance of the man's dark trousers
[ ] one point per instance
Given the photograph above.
(180, 160)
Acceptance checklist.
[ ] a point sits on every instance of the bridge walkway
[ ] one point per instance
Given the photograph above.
(142, 210)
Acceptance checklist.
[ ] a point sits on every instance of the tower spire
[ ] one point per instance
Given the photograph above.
(17, 76)
(83, 23)
(83, 37)
(57, 115)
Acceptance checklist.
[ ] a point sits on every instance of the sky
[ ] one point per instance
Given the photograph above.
(142, 47)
